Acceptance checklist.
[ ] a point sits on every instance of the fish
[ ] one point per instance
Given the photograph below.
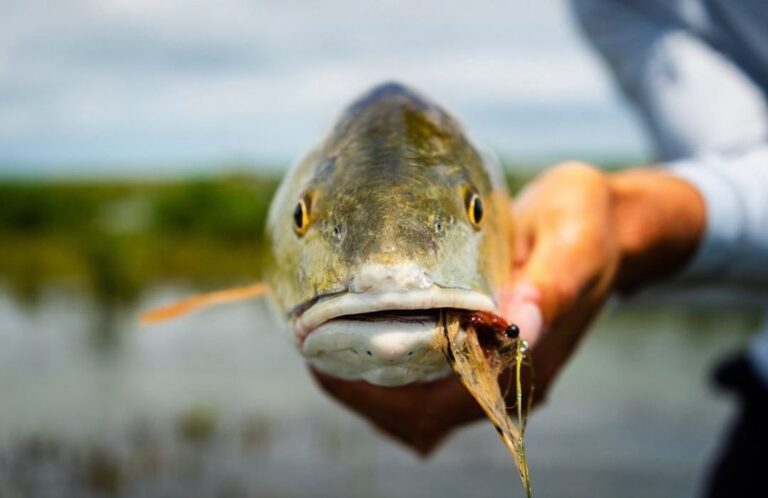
(392, 217)
(394, 221)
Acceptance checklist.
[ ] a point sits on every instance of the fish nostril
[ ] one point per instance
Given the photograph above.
(338, 233)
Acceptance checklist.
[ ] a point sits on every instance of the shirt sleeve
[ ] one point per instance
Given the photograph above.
(735, 191)
(707, 118)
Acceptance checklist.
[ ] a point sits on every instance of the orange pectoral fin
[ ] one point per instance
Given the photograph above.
(204, 300)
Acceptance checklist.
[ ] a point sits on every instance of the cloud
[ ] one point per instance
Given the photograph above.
(115, 82)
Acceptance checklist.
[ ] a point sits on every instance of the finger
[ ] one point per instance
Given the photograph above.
(566, 263)
(553, 276)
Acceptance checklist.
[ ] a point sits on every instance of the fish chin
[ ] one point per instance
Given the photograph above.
(387, 353)
(387, 339)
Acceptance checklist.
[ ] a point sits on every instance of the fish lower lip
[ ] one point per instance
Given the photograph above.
(422, 304)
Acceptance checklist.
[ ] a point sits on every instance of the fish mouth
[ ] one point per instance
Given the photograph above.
(384, 338)
(413, 306)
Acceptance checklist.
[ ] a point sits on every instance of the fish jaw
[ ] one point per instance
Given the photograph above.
(384, 338)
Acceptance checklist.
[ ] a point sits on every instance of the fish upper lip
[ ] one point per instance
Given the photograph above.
(325, 308)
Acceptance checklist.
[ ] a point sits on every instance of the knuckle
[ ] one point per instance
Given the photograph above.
(560, 292)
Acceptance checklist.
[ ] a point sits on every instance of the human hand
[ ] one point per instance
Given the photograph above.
(581, 234)
(566, 258)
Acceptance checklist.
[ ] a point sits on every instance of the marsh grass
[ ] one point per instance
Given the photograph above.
(114, 240)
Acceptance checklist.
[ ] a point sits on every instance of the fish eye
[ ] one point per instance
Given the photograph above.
(301, 217)
(474, 208)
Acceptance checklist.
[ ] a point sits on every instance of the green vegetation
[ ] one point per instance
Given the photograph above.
(114, 240)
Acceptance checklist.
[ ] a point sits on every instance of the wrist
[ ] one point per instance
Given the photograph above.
(659, 221)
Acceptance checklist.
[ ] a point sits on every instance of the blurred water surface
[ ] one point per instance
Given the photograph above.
(219, 404)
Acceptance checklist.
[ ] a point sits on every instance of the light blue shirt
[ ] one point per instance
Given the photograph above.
(697, 71)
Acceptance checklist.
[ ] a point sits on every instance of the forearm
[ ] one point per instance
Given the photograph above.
(659, 222)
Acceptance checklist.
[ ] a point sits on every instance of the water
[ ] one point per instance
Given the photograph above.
(218, 404)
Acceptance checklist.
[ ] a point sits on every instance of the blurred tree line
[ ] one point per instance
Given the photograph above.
(115, 239)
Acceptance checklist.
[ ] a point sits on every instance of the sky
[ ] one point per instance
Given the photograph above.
(166, 86)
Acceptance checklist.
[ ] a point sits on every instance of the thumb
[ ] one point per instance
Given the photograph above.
(548, 282)
(519, 305)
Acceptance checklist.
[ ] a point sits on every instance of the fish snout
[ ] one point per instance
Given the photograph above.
(381, 277)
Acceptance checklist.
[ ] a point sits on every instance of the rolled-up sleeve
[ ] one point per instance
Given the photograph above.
(735, 191)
